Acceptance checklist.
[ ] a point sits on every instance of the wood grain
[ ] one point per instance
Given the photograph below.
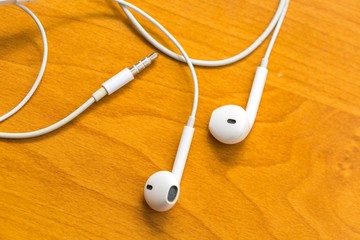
(297, 176)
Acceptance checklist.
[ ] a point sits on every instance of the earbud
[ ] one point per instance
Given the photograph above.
(231, 124)
(162, 189)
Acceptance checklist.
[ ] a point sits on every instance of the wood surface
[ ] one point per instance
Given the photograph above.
(296, 176)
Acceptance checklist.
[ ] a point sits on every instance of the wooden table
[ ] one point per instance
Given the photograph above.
(297, 175)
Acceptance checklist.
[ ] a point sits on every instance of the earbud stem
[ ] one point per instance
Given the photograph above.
(256, 93)
(182, 152)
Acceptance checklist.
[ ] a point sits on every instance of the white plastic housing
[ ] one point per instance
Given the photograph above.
(160, 192)
(162, 189)
(256, 93)
(117, 81)
(229, 124)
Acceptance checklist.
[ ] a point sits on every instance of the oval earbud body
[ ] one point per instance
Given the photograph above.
(162, 191)
(229, 124)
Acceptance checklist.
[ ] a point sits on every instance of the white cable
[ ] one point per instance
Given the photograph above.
(208, 63)
(109, 87)
(102, 92)
(276, 32)
(42, 68)
(177, 44)
(51, 128)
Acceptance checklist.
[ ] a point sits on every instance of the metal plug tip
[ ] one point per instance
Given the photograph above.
(153, 56)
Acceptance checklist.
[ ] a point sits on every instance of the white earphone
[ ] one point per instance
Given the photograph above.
(231, 124)
(162, 189)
